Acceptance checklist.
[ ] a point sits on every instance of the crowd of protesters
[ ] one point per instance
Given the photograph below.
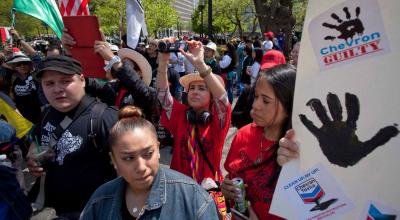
(93, 145)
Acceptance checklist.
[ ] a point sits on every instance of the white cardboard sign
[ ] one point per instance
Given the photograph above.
(315, 194)
(346, 111)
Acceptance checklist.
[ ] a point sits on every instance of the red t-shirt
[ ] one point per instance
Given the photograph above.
(212, 137)
(258, 170)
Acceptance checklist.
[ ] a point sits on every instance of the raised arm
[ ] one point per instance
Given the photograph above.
(162, 71)
(196, 58)
(24, 45)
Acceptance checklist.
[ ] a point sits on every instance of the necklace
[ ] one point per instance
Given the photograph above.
(135, 209)
(260, 155)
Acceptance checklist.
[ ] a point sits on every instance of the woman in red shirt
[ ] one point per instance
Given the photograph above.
(253, 153)
(199, 129)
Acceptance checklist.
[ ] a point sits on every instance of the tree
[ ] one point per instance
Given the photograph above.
(111, 13)
(235, 13)
(159, 15)
(275, 15)
(229, 16)
(26, 25)
(299, 12)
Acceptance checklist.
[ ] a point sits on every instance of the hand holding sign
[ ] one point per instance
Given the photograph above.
(337, 138)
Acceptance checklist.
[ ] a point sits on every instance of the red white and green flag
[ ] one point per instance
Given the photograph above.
(5, 36)
(44, 10)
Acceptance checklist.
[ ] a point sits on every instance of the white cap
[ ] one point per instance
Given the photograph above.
(212, 46)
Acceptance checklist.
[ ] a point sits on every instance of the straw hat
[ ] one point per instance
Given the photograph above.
(140, 60)
(193, 77)
(17, 57)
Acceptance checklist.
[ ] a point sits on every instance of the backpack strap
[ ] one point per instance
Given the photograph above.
(203, 151)
(96, 123)
(67, 121)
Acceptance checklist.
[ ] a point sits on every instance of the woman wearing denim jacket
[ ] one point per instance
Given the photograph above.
(145, 190)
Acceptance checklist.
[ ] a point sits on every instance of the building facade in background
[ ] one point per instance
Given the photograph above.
(185, 10)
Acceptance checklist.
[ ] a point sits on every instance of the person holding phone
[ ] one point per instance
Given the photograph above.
(199, 128)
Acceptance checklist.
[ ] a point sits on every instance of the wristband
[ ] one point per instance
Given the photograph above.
(114, 60)
(206, 73)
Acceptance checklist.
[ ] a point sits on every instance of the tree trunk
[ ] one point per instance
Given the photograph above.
(275, 16)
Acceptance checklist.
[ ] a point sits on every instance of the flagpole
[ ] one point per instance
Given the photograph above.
(121, 22)
(12, 24)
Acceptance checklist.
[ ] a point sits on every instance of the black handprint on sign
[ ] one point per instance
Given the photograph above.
(337, 138)
(347, 28)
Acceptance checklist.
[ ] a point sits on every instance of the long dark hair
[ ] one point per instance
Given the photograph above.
(282, 78)
(259, 54)
(129, 118)
(231, 51)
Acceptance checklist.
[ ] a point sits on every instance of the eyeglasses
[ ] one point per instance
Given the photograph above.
(21, 64)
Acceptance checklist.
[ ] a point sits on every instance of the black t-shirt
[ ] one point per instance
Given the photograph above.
(27, 97)
(79, 168)
(124, 211)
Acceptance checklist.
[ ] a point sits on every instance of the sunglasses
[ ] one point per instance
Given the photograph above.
(22, 64)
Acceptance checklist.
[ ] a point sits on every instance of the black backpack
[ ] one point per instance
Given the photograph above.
(94, 126)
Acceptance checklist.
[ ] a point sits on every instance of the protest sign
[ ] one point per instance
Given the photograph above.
(346, 103)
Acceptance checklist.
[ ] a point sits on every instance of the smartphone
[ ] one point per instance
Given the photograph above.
(238, 214)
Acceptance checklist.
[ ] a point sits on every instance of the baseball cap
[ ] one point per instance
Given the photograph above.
(272, 58)
(269, 34)
(59, 63)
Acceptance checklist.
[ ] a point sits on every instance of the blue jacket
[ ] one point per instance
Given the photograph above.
(14, 205)
(172, 196)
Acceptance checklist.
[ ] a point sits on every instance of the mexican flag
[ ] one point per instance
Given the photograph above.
(44, 10)
(4, 35)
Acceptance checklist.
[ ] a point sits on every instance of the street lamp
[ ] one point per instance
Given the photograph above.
(210, 27)
(201, 6)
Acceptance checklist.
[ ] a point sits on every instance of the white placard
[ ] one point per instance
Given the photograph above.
(379, 210)
(346, 113)
(315, 194)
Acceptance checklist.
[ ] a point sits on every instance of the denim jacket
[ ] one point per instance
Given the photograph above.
(172, 196)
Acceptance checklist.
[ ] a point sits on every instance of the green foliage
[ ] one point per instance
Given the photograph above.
(299, 12)
(5, 7)
(109, 13)
(228, 16)
(159, 15)
(26, 25)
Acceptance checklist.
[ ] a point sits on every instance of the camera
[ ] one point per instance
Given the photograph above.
(166, 47)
